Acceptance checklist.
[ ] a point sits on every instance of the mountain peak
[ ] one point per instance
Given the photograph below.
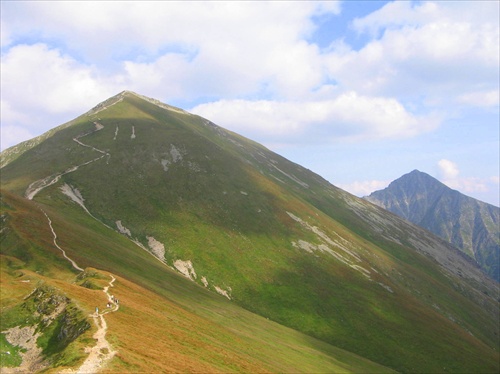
(131, 94)
(128, 92)
(469, 224)
(143, 189)
(414, 182)
(418, 173)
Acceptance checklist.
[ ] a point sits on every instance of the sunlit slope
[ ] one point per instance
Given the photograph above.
(270, 235)
(165, 322)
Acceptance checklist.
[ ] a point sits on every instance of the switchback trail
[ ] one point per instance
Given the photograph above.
(35, 187)
(102, 352)
(38, 185)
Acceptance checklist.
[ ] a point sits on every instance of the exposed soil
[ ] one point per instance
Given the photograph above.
(32, 359)
(102, 352)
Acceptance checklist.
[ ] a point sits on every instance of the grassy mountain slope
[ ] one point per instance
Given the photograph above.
(165, 323)
(273, 237)
(469, 224)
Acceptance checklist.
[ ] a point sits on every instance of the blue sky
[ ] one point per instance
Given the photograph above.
(360, 92)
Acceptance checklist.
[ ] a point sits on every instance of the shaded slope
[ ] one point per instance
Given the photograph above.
(467, 223)
(269, 234)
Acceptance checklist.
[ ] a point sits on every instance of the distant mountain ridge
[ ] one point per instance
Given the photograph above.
(469, 224)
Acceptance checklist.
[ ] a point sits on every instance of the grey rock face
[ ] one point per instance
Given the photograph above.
(469, 224)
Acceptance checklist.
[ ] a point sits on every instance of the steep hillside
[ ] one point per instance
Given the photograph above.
(467, 223)
(244, 227)
(163, 322)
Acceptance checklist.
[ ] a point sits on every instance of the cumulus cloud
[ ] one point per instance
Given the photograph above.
(349, 116)
(12, 135)
(364, 188)
(429, 49)
(92, 50)
(449, 170)
(37, 76)
(236, 53)
(450, 176)
(110, 30)
(489, 98)
(40, 86)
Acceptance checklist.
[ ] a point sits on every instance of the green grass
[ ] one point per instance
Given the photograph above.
(244, 241)
(252, 338)
(9, 354)
(346, 312)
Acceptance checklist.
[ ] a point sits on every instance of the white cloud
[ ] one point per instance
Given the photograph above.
(94, 27)
(41, 86)
(472, 184)
(167, 50)
(349, 116)
(469, 185)
(481, 98)
(449, 170)
(398, 14)
(394, 15)
(364, 188)
(36, 76)
(242, 51)
(450, 176)
(423, 50)
(12, 135)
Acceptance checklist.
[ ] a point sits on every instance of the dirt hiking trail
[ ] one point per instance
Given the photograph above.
(102, 352)
(35, 187)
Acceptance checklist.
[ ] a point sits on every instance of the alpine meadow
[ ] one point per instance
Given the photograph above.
(139, 237)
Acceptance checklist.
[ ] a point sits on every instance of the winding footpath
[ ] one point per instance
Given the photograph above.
(102, 352)
(35, 187)
(57, 245)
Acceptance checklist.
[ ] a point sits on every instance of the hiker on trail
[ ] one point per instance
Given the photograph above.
(96, 310)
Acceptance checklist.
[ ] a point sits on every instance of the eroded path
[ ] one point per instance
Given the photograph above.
(102, 352)
(98, 355)
(35, 187)
(73, 263)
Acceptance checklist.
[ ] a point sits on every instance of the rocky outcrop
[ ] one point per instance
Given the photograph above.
(47, 314)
